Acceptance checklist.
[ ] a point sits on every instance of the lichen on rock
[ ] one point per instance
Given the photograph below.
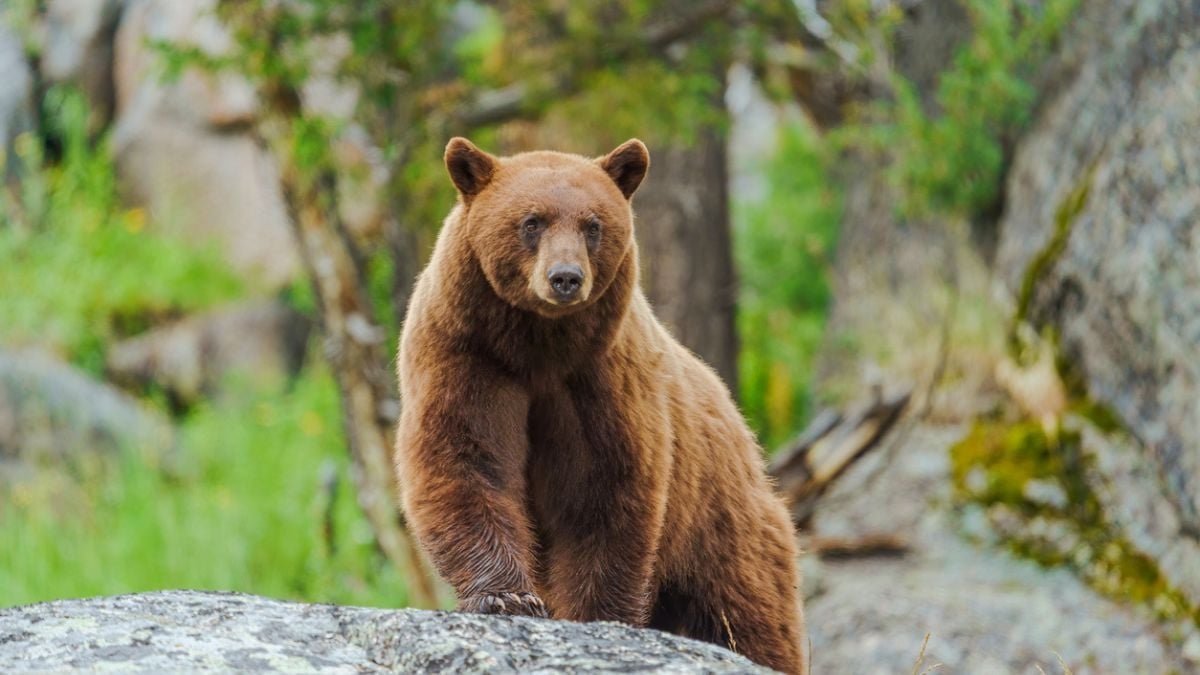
(192, 631)
(1009, 468)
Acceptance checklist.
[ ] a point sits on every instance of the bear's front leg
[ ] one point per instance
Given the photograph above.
(461, 452)
(600, 496)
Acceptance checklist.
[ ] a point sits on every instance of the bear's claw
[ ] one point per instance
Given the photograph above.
(509, 604)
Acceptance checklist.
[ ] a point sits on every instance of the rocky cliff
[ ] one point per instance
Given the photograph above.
(1095, 247)
(1099, 244)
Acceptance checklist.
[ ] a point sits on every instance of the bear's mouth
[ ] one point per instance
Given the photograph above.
(547, 305)
(561, 300)
(560, 305)
(562, 287)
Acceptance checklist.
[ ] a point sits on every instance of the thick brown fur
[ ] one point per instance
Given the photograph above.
(569, 457)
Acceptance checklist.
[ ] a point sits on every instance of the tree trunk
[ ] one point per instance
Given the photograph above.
(684, 239)
(353, 339)
(354, 349)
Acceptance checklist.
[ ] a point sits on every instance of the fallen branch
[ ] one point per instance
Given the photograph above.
(849, 548)
(830, 445)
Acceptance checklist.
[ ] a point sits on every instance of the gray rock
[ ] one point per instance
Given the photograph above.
(223, 99)
(227, 193)
(16, 97)
(1120, 115)
(985, 611)
(1124, 293)
(1137, 506)
(173, 631)
(51, 414)
(263, 339)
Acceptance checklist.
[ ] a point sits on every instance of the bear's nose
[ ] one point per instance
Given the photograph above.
(566, 279)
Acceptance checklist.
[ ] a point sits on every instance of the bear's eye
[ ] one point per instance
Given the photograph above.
(531, 225)
(593, 229)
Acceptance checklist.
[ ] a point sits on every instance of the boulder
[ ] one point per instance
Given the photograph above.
(227, 191)
(1096, 241)
(188, 359)
(173, 631)
(204, 99)
(213, 189)
(1099, 234)
(183, 150)
(51, 414)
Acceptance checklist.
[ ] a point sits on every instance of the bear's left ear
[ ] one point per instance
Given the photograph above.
(470, 168)
(627, 165)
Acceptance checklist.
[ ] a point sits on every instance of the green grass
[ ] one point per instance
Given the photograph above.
(783, 246)
(243, 510)
(240, 505)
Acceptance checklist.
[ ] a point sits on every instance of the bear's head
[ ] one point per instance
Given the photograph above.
(550, 230)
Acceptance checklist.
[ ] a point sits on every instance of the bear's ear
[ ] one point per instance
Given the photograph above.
(471, 169)
(627, 165)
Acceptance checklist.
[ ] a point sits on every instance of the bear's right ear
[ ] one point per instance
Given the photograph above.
(471, 169)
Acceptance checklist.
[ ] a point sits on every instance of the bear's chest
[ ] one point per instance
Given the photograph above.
(572, 448)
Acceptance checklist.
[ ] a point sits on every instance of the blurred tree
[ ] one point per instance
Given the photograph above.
(684, 237)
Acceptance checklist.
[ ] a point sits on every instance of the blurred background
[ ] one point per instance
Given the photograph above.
(944, 252)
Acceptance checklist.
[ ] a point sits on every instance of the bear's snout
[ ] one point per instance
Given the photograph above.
(565, 280)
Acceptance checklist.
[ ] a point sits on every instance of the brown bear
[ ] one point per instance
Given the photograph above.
(559, 452)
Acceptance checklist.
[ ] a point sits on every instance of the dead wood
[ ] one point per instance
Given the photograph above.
(831, 444)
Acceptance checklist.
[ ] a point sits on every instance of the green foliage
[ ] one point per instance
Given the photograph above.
(783, 247)
(952, 161)
(616, 104)
(241, 506)
(243, 509)
(77, 268)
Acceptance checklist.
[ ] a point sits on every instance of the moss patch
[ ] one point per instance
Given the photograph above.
(1064, 220)
(1035, 491)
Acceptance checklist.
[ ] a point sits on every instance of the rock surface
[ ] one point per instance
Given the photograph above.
(182, 149)
(218, 100)
(985, 611)
(188, 359)
(51, 413)
(1123, 293)
(1121, 105)
(173, 631)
